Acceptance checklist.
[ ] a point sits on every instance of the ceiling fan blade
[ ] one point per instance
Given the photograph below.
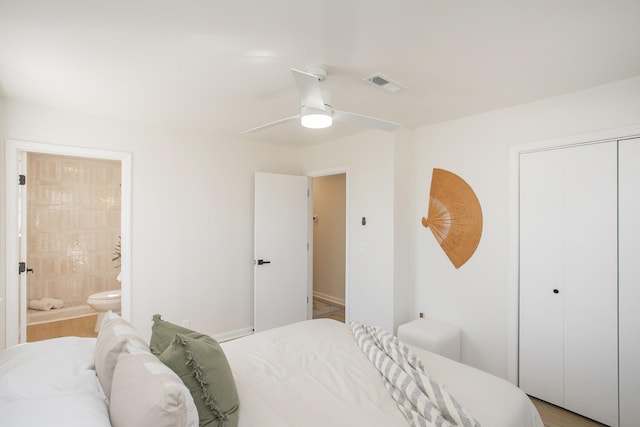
(268, 125)
(309, 88)
(366, 121)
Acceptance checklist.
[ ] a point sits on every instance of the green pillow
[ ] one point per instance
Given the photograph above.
(204, 369)
(163, 332)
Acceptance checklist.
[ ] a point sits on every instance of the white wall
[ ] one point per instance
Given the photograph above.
(476, 296)
(368, 159)
(3, 123)
(192, 212)
(403, 232)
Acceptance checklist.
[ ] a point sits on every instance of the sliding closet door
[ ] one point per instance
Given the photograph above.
(568, 278)
(629, 200)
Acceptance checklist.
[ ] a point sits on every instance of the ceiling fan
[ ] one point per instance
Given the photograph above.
(317, 112)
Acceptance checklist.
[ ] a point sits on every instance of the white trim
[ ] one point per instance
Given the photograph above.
(232, 335)
(514, 240)
(347, 285)
(328, 298)
(326, 172)
(309, 247)
(13, 150)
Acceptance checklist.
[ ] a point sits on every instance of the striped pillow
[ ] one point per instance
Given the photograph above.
(146, 393)
(114, 334)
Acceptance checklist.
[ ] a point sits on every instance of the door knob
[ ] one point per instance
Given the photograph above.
(261, 261)
(555, 291)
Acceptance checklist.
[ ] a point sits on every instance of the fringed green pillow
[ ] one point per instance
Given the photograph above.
(163, 332)
(204, 369)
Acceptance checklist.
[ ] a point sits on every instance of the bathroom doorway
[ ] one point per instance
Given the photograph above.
(73, 241)
(73, 254)
(329, 246)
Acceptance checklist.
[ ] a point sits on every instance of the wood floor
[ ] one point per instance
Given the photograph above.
(81, 326)
(553, 416)
(339, 316)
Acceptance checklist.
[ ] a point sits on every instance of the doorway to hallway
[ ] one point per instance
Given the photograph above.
(329, 246)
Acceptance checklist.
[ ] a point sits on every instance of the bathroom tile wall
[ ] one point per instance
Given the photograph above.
(73, 226)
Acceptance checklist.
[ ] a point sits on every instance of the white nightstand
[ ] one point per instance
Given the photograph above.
(433, 336)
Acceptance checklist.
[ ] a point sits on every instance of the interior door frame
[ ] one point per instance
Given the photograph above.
(513, 296)
(14, 332)
(326, 172)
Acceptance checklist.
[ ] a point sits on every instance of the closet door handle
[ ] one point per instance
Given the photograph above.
(555, 291)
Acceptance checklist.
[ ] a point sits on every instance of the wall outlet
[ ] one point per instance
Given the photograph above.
(185, 323)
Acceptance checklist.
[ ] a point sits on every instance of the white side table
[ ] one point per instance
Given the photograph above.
(433, 336)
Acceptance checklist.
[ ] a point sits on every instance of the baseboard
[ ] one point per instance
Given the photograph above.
(328, 298)
(232, 335)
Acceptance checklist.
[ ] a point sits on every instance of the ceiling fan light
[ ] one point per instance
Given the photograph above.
(319, 120)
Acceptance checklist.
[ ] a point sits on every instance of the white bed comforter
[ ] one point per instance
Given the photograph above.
(313, 374)
(51, 383)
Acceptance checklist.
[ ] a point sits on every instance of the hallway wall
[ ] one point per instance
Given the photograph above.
(329, 209)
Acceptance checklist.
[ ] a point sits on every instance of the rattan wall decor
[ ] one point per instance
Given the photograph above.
(454, 216)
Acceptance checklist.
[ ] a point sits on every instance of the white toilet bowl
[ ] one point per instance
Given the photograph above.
(103, 302)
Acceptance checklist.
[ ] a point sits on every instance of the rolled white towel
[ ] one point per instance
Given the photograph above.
(38, 304)
(55, 303)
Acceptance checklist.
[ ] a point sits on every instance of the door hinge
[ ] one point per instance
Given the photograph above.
(307, 193)
(22, 180)
(22, 267)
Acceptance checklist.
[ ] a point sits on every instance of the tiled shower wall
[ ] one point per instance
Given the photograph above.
(73, 226)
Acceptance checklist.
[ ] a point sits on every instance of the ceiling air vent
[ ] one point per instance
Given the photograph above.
(384, 83)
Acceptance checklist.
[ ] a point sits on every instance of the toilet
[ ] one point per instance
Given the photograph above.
(103, 302)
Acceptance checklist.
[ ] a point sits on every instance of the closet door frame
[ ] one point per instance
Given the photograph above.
(569, 245)
(629, 293)
(514, 240)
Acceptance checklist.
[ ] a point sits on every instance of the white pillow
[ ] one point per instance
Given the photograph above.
(146, 393)
(114, 334)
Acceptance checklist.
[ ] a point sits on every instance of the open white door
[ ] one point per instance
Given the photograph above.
(280, 250)
(15, 248)
(22, 247)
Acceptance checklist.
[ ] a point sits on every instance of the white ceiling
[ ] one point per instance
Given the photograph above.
(223, 66)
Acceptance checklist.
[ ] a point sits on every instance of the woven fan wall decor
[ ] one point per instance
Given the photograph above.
(454, 216)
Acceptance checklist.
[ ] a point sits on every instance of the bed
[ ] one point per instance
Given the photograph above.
(308, 374)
